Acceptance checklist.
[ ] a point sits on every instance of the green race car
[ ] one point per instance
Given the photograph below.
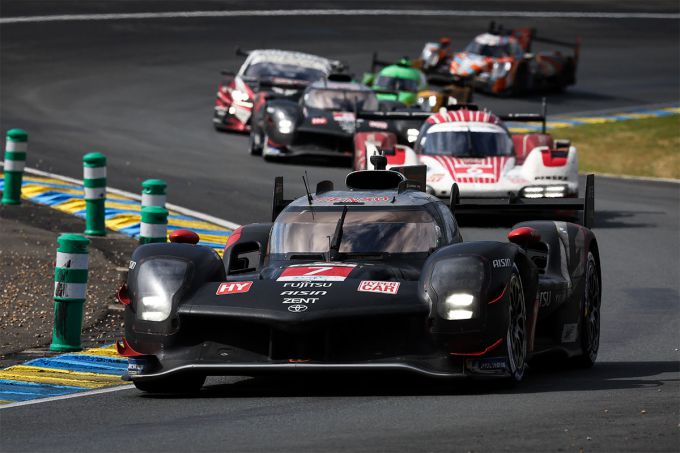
(396, 82)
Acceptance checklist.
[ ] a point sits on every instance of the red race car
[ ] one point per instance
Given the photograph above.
(502, 62)
(264, 70)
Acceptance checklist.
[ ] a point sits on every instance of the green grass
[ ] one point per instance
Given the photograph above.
(644, 147)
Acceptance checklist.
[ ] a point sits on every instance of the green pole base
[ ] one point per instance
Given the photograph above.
(95, 222)
(64, 348)
(11, 193)
(143, 241)
(68, 323)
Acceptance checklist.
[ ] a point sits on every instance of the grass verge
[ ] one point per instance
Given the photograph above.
(644, 147)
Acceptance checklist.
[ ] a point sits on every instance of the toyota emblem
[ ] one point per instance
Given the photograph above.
(297, 308)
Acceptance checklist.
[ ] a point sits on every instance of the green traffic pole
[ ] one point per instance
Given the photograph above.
(154, 226)
(94, 183)
(70, 286)
(153, 192)
(15, 160)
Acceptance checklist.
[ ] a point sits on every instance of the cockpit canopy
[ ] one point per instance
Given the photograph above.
(464, 140)
(365, 230)
(341, 100)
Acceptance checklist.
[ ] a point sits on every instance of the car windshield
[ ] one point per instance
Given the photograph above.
(487, 50)
(287, 71)
(395, 83)
(343, 100)
(451, 139)
(364, 231)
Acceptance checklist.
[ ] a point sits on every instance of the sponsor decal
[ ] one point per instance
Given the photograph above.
(375, 286)
(136, 366)
(353, 199)
(233, 288)
(378, 124)
(307, 285)
(304, 293)
(300, 300)
(345, 120)
(488, 365)
(502, 262)
(569, 333)
(297, 308)
(319, 120)
(132, 264)
(343, 116)
(316, 273)
(544, 298)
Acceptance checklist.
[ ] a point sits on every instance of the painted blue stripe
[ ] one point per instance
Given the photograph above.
(213, 245)
(23, 391)
(51, 198)
(81, 360)
(74, 363)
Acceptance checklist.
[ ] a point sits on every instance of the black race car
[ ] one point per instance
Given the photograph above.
(319, 121)
(235, 93)
(373, 277)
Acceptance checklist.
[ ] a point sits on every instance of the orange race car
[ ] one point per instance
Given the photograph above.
(502, 62)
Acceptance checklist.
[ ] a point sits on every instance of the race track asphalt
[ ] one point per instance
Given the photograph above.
(142, 91)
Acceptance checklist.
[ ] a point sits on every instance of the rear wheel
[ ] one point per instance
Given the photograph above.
(172, 384)
(516, 338)
(589, 317)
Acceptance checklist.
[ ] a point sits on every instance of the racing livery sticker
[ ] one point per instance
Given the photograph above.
(353, 199)
(375, 286)
(329, 273)
(233, 288)
(569, 332)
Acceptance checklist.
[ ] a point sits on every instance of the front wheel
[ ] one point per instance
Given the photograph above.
(589, 316)
(172, 384)
(516, 337)
(254, 148)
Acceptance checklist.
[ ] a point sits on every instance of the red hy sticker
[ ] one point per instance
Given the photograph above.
(315, 273)
(233, 288)
(319, 120)
(373, 286)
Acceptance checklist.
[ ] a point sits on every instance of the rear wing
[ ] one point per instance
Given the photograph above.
(530, 117)
(282, 83)
(377, 63)
(523, 205)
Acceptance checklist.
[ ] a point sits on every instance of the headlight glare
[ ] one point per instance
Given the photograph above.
(285, 126)
(158, 282)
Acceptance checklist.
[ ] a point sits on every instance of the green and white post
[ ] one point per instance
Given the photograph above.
(15, 160)
(94, 184)
(70, 286)
(154, 226)
(153, 192)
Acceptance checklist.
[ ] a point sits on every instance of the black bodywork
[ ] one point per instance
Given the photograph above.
(255, 312)
(308, 130)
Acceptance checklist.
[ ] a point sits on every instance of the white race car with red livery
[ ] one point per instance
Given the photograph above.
(280, 71)
(474, 149)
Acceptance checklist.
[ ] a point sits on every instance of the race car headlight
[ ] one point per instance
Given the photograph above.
(454, 303)
(500, 69)
(285, 126)
(158, 282)
(458, 283)
(412, 135)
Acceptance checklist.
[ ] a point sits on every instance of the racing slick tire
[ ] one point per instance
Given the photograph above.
(516, 337)
(254, 148)
(172, 384)
(589, 315)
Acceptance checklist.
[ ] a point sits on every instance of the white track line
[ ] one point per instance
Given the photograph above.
(340, 12)
(134, 196)
(66, 397)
